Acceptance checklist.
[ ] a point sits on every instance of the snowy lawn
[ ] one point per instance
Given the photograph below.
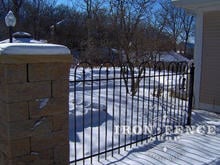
(189, 149)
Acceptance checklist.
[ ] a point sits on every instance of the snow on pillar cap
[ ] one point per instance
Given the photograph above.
(33, 49)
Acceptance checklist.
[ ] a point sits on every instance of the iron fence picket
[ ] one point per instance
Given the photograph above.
(157, 82)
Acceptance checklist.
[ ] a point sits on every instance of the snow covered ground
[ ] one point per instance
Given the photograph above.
(101, 114)
(189, 149)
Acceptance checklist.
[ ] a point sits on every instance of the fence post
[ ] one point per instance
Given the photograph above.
(191, 88)
(34, 106)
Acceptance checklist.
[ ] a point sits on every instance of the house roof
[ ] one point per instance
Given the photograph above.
(172, 57)
(198, 5)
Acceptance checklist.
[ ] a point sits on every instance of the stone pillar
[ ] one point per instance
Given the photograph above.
(34, 94)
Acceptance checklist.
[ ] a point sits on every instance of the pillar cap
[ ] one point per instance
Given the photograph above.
(33, 49)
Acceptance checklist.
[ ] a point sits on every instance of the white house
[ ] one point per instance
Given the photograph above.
(207, 52)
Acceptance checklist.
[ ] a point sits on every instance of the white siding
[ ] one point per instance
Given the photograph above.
(210, 76)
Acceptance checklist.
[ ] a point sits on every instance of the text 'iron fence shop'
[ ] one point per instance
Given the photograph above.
(113, 108)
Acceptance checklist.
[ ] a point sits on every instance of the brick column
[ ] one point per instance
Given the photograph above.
(34, 109)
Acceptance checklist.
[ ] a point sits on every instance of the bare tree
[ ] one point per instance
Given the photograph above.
(40, 14)
(188, 25)
(92, 9)
(127, 19)
(159, 38)
(174, 24)
(178, 23)
(15, 6)
(5, 5)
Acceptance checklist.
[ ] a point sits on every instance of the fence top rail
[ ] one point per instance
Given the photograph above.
(148, 64)
(162, 67)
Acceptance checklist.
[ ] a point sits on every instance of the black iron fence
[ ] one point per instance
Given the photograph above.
(113, 108)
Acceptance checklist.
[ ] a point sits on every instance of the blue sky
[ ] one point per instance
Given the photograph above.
(65, 2)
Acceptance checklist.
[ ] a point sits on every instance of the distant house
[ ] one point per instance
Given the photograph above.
(97, 55)
(171, 56)
(207, 52)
